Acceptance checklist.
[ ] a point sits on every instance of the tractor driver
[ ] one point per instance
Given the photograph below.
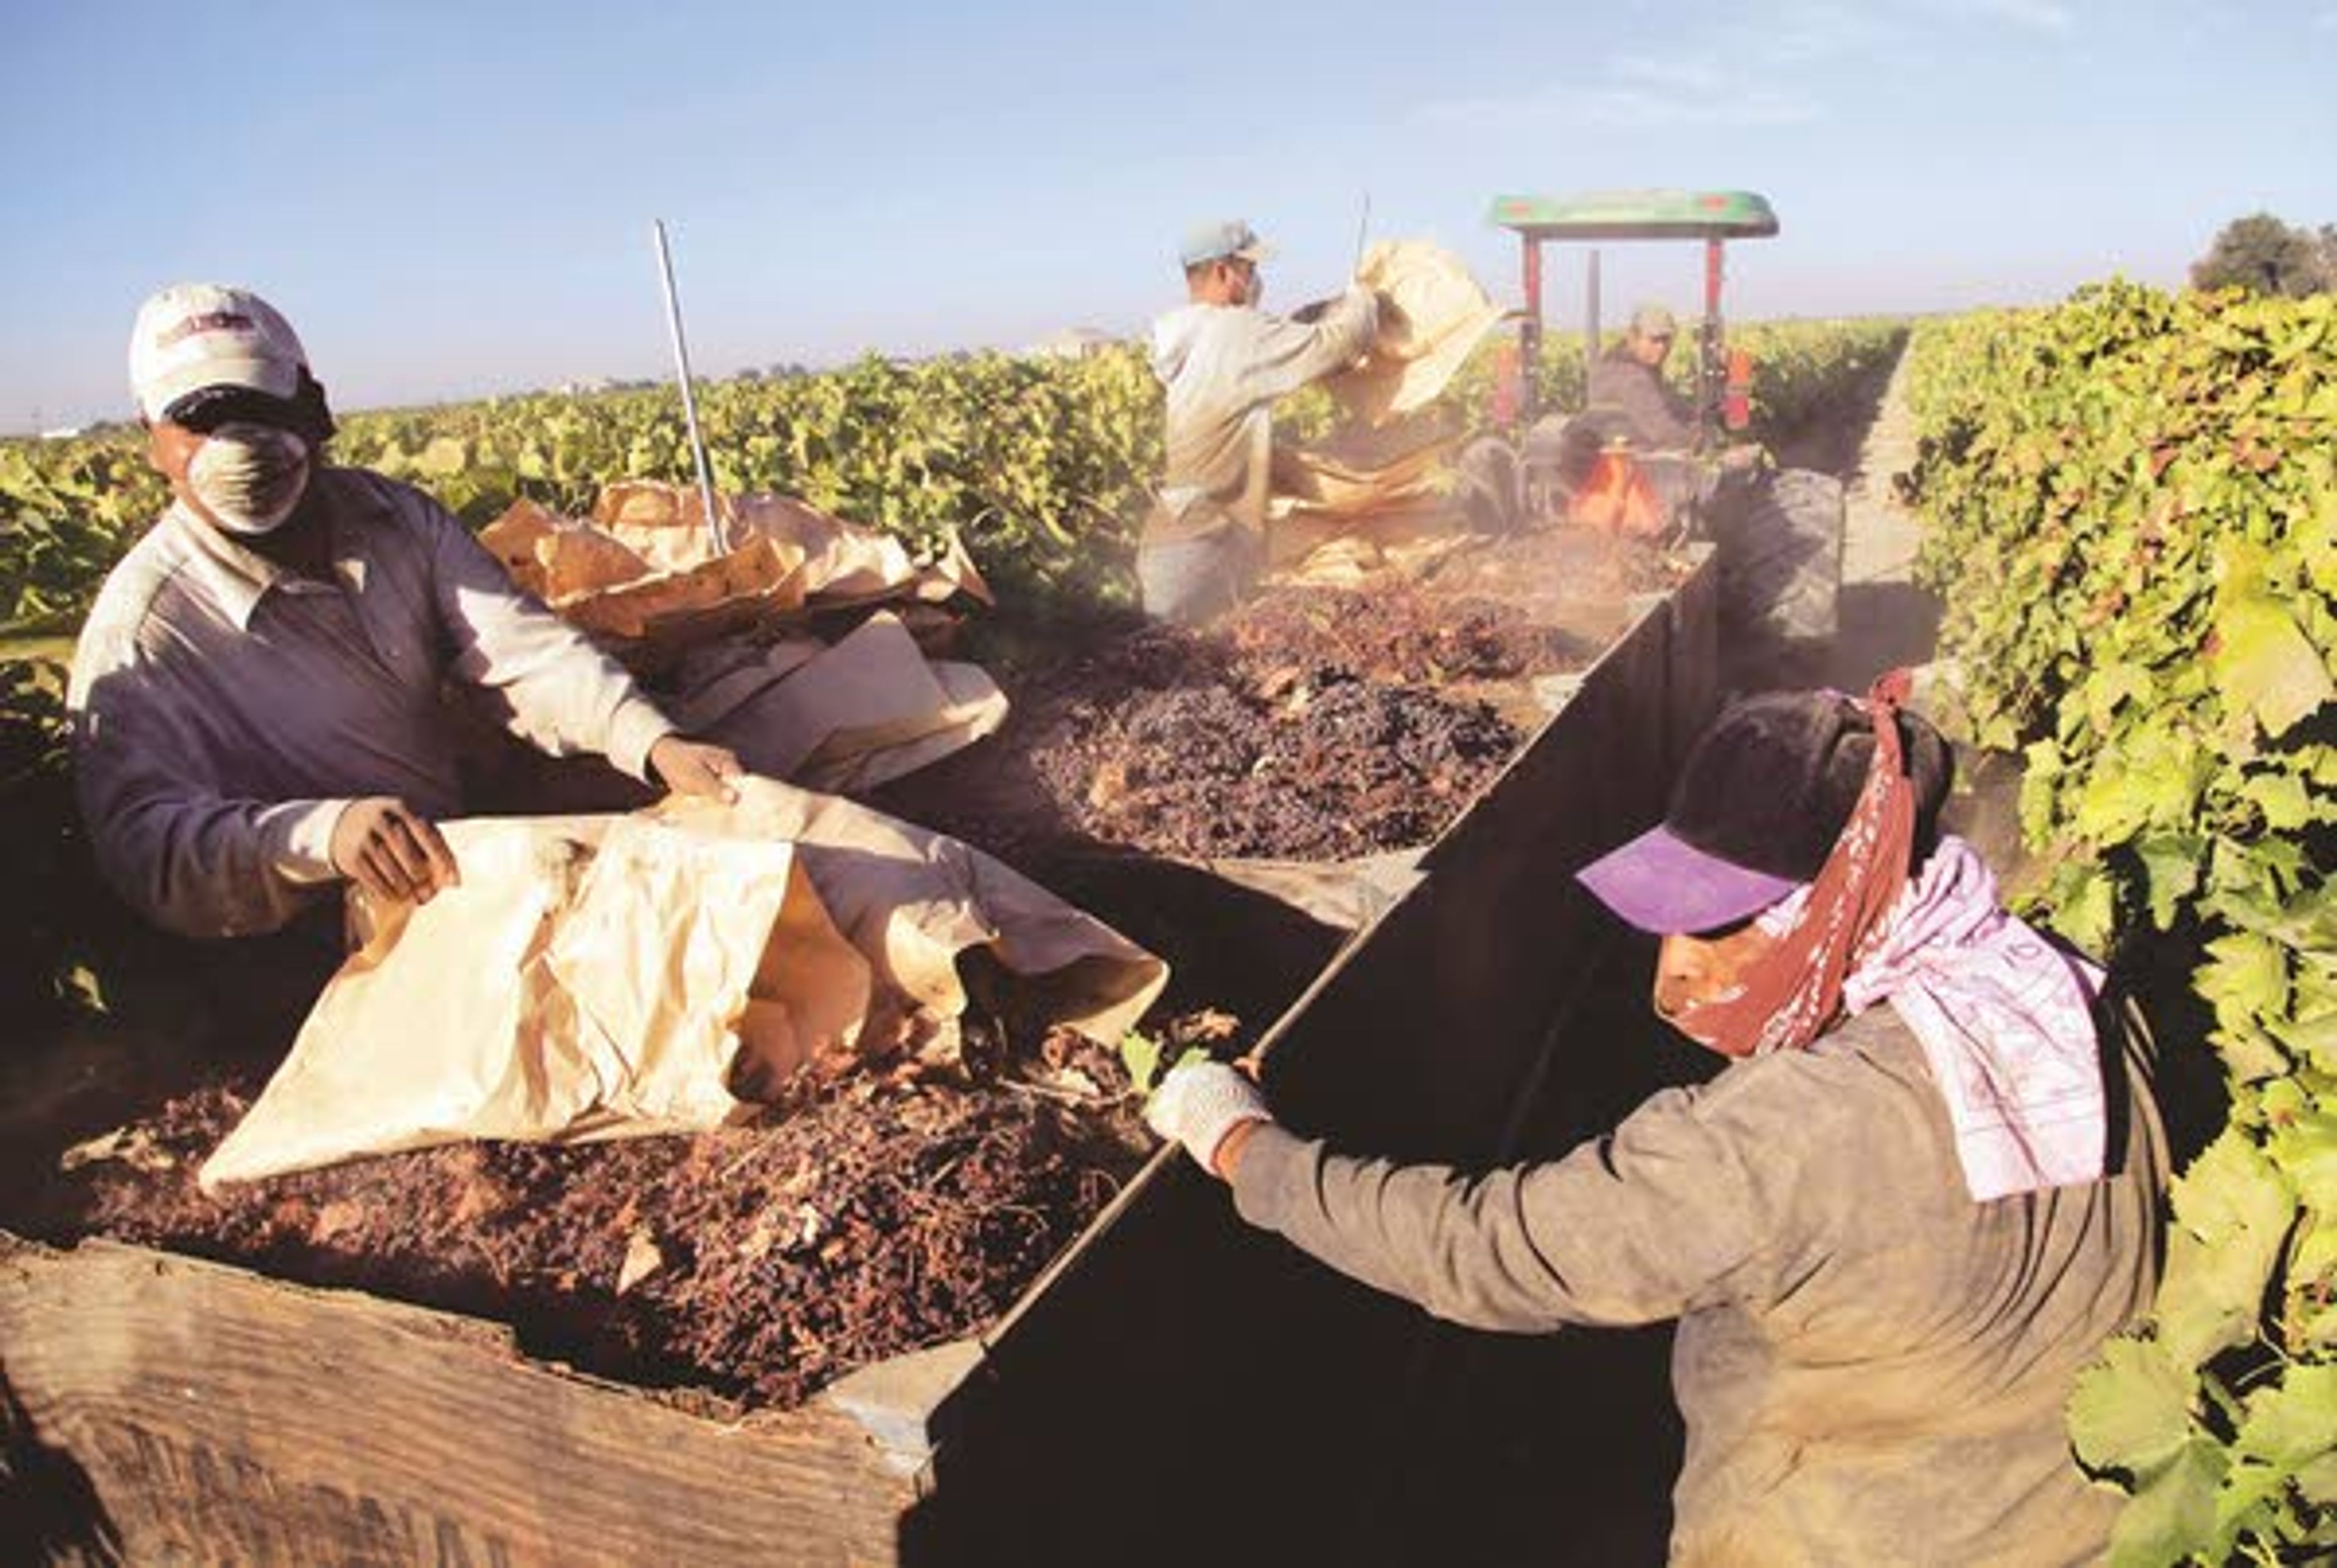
(1224, 361)
(1628, 378)
(1627, 381)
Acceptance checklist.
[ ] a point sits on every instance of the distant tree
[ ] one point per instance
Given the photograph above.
(2265, 256)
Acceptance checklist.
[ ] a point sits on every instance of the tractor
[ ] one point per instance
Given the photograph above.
(1778, 533)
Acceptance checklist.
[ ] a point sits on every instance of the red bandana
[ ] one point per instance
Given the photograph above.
(1789, 995)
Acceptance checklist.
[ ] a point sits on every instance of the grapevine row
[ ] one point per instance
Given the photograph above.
(1042, 466)
(2131, 506)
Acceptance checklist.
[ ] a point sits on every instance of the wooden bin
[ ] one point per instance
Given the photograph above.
(163, 1409)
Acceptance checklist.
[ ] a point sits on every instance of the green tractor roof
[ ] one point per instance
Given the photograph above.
(1638, 215)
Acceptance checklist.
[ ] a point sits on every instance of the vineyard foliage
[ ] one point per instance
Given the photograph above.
(1042, 466)
(2131, 503)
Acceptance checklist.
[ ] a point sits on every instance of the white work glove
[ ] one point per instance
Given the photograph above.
(1199, 1102)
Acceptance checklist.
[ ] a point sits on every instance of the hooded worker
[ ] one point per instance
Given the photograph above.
(256, 696)
(1224, 361)
(1892, 1230)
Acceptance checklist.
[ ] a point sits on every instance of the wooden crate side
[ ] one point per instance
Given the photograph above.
(220, 1416)
(1417, 1045)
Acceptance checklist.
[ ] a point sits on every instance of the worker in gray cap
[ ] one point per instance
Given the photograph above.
(1224, 361)
(257, 695)
(1630, 398)
(1628, 378)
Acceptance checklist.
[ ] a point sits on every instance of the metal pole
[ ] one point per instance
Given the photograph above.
(1590, 323)
(1711, 374)
(1363, 232)
(1530, 335)
(689, 400)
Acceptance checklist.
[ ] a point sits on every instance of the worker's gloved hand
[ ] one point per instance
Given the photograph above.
(391, 850)
(695, 767)
(1199, 1102)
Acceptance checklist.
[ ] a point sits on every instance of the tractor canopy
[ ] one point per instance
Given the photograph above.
(1638, 215)
(1712, 216)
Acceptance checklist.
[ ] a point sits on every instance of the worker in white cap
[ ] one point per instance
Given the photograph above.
(1224, 361)
(255, 698)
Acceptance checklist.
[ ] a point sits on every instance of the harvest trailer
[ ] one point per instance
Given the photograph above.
(163, 1408)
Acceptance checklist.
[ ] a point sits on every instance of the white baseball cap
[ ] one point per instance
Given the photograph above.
(192, 335)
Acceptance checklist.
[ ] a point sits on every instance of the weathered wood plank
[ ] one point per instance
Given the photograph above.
(220, 1416)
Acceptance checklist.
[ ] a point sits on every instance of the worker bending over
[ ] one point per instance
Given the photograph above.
(1923, 1192)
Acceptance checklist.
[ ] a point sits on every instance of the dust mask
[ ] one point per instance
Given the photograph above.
(250, 477)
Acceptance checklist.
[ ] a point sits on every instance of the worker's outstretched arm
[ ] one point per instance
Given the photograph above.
(1289, 353)
(1643, 1224)
(560, 693)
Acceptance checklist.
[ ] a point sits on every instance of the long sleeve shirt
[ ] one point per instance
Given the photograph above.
(1223, 365)
(1871, 1366)
(1661, 420)
(225, 711)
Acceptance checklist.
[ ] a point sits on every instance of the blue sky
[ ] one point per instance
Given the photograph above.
(454, 200)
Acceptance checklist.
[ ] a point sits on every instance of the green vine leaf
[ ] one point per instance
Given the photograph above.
(2171, 866)
(2265, 666)
(2245, 979)
(2172, 1515)
(2232, 1211)
(2082, 905)
(445, 456)
(2246, 1504)
(2152, 782)
(2316, 1483)
(2292, 1422)
(1141, 1053)
(2287, 806)
(2131, 1411)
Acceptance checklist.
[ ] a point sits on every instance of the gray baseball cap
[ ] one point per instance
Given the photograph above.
(1217, 242)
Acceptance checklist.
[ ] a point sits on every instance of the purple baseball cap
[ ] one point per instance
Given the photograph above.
(1660, 883)
(1763, 796)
